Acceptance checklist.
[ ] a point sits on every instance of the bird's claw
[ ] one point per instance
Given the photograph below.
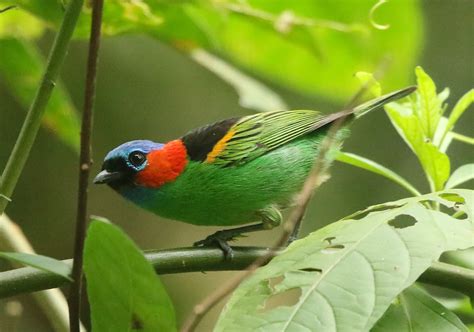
(218, 239)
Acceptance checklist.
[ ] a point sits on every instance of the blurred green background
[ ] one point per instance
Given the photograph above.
(147, 90)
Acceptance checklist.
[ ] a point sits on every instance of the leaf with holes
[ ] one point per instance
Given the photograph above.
(415, 310)
(124, 292)
(349, 272)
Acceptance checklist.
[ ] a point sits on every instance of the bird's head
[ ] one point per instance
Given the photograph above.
(142, 163)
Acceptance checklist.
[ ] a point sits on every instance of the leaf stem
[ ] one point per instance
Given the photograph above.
(462, 138)
(182, 260)
(32, 122)
(84, 165)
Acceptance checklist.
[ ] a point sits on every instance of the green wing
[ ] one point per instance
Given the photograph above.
(254, 135)
(257, 134)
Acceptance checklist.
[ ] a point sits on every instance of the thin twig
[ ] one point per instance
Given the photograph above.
(84, 165)
(3, 10)
(284, 20)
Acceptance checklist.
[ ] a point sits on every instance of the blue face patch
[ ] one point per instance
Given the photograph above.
(122, 152)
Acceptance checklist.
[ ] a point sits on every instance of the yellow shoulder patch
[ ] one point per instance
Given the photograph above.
(220, 146)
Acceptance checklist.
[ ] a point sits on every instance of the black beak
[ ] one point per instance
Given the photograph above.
(107, 177)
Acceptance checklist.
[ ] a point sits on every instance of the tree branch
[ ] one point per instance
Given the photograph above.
(181, 260)
(84, 166)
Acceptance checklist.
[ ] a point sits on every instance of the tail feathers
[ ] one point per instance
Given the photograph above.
(380, 101)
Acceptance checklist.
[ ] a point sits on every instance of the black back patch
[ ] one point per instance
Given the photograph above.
(199, 142)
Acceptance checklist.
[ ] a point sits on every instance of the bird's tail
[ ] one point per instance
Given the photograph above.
(380, 101)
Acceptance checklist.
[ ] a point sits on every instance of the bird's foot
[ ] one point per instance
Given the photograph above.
(219, 239)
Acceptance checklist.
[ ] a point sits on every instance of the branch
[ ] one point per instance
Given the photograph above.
(84, 166)
(32, 122)
(51, 301)
(182, 260)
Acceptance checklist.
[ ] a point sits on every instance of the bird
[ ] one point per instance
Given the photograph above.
(242, 170)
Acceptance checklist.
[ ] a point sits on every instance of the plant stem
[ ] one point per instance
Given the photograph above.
(182, 260)
(84, 166)
(32, 122)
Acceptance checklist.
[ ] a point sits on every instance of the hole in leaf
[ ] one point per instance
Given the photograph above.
(375, 209)
(136, 323)
(456, 210)
(273, 282)
(332, 249)
(402, 221)
(453, 198)
(312, 269)
(329, 239)
(286, 298)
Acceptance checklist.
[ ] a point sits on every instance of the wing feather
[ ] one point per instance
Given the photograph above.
(257, 134)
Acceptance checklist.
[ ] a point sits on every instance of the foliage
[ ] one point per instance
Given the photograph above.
(116, 269)
(355, 274)
(325, 40)
(415, 310)
(349, 272)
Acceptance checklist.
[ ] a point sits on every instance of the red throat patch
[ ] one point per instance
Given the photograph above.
(163, 165)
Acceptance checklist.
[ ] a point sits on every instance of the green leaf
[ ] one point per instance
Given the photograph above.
(435, 163)
(344, 276)
(461, 175)
(21, 68)
(459, 109)
(372, 166)
(369, 82)
(416, 311)
(429, 108)
(40, 262)
(124, 292)
(20, 24)
(327, 42)
(252, 93)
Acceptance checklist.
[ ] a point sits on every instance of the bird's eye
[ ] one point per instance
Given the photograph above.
(136, 158)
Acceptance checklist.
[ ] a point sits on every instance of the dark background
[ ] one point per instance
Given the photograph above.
(147, 90)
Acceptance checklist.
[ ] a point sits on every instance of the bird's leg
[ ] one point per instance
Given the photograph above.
(271, 217)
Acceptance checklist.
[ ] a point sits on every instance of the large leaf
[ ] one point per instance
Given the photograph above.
(124, 292)
(311, 46)
(347, 274)
(415, 310)
(40, 262)
(21, 68)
